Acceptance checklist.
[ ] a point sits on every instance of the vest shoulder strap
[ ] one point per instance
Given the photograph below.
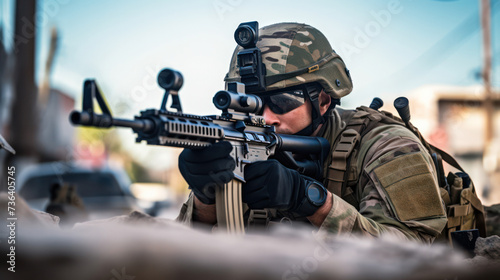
(338, 170)
(358, 123)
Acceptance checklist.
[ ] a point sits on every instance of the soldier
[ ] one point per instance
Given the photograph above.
(375, 181)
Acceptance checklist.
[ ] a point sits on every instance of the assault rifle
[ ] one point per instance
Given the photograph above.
(239, 123)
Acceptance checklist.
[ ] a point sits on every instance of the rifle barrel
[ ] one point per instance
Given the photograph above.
(300, 144)
(96, 120)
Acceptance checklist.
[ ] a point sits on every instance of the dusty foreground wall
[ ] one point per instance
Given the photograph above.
(139, 247)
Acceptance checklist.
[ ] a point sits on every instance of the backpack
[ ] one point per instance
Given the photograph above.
(463, 208)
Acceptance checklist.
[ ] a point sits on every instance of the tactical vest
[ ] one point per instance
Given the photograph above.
(463, 208)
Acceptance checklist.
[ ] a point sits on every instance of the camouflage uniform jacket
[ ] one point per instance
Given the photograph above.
(396, 188)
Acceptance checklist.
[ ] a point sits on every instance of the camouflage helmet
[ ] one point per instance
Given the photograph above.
(295, 54)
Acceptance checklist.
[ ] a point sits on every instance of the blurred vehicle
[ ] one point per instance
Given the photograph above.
(158, 199)
(105, 191)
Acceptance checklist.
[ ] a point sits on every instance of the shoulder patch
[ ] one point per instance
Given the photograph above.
(410, 187)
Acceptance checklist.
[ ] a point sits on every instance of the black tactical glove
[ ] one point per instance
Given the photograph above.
(271, 185)
(207, 168)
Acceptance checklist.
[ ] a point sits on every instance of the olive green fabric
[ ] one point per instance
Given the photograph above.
(468, 217)
(375, 214)
(464, 209)
(419, 202)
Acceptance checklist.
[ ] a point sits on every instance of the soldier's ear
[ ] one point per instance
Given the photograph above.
(324, 102)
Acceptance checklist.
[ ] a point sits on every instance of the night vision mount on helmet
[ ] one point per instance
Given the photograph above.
(286, 55)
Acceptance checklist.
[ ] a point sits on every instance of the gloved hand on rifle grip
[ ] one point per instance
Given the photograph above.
(204, 169)
(269, 184)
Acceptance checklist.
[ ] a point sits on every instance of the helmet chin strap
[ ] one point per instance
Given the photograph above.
(313, 91)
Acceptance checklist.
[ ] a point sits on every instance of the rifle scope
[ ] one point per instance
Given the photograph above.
(239, 102)
(170, 79)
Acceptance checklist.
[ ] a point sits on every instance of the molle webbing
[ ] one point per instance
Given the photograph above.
(358, 123)
(456, 210)
(338, 168)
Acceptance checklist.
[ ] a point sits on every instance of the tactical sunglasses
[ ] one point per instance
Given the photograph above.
(284, 101)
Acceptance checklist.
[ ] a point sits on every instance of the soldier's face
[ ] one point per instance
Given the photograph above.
(291, 122)
(298, 118)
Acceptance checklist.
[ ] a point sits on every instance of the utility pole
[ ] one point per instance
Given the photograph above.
(487, 56)
(489, 156)
(45, 87)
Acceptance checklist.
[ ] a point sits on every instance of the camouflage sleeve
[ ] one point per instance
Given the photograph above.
(397, 192)
(186, 214)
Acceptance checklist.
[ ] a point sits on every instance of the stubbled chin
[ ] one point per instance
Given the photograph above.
(284, 131)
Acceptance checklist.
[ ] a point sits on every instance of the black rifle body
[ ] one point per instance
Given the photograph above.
(251, 142)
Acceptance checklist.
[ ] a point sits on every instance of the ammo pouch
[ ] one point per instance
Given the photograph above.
(463, 208)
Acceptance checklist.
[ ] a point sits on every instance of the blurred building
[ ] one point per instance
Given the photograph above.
(453, 118)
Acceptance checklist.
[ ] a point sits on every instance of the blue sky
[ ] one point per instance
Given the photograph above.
(123, 44)
(390, 46)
